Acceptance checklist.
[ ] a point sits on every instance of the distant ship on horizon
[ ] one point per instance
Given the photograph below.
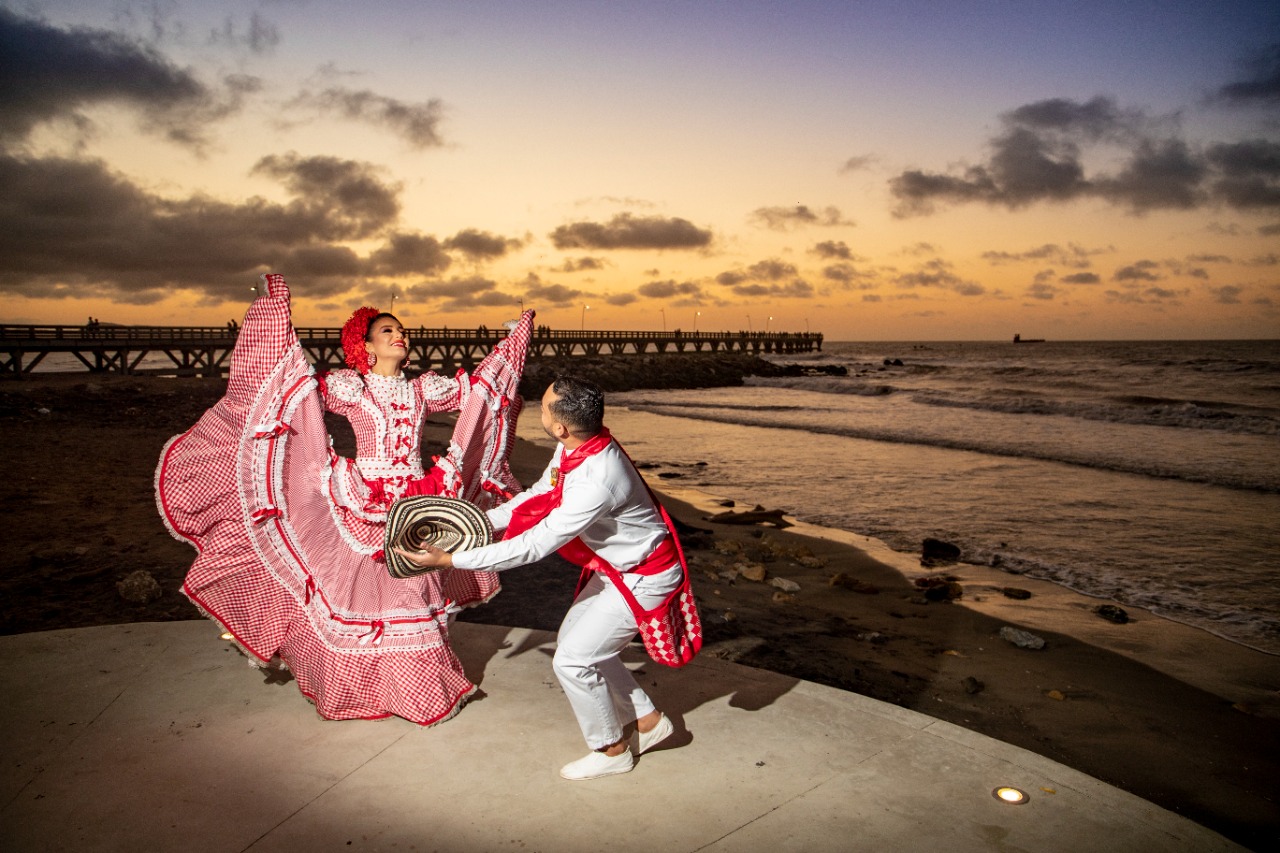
(1019, 339)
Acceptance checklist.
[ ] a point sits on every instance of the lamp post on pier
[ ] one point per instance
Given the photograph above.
(583, 326)
(696, 315)
(664, 320)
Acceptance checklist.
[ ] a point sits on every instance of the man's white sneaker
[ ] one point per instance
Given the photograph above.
(656, 735)
(597, 764)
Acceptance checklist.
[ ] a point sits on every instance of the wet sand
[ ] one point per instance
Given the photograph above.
(1167, 712)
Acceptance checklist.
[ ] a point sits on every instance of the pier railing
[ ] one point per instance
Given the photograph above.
(206, 350)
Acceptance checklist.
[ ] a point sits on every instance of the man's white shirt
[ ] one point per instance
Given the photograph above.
(604, 501)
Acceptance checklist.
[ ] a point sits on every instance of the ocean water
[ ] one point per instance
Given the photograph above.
(1142, 473)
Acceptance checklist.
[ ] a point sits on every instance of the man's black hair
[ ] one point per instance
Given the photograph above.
(580, 406)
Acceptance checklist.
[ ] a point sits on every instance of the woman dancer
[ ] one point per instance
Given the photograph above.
(290, 534)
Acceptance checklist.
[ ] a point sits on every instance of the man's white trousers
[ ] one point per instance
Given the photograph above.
(601, 690)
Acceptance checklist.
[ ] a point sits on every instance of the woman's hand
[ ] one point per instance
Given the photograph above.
(429, 557)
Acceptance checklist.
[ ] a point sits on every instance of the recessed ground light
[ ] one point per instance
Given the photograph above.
(1012, 796)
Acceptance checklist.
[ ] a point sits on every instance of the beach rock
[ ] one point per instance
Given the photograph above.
(669, 475)
(972, 685)
(940, 589)
(725, 503)
(756, 516)
(729, 574)
(814, 370)
(874, 637)
(139, 587)
(1056, 694)
(1021, 639)
(843, 581)
(785, 585)
(936, 550)
(728, 547)
(1112, 613)
(780, 597)
(751, 571)
(1015, 592)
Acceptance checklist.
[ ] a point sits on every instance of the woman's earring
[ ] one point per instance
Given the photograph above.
(373, 359)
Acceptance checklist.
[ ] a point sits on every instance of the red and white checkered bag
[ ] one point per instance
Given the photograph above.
(672, 631)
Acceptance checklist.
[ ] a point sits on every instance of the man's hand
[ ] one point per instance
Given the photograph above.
(429, 557)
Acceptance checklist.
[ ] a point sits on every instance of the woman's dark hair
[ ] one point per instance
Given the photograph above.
(368, 333)
(580, 405)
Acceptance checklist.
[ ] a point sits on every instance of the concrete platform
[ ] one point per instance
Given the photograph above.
(160, 737)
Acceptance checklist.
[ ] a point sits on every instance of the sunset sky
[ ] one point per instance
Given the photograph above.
(901, 170)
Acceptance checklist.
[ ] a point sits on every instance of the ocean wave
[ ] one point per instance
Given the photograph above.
(1147, 411)
(1246, 478)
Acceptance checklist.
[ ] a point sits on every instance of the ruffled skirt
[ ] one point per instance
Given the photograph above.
(287, 569)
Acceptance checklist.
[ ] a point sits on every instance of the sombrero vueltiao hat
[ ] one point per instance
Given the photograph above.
(451, 524)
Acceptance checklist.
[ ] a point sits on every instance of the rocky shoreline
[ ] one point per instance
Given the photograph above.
(665, 370)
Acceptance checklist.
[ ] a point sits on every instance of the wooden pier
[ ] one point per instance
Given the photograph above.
(206, 351)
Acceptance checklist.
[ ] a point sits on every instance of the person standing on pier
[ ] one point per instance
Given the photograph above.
(290, 534)
(593, 506)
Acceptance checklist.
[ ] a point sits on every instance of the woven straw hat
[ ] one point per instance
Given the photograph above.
(451, 524)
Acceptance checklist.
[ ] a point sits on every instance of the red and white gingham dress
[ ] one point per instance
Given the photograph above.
(290, 535)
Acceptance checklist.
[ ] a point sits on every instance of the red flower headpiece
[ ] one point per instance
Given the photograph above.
(354, 333)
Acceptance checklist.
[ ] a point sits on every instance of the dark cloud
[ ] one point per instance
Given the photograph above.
(553, 294)
(481, 244)
(855, 164)
(1070, 255)
(1262, 80)
(625, 231)
(454, 288)
(669, 289)
(1139, 271)
(1250, 173)
(347, 196)
(1040, 157)
(1209, 259)
(797, 289)
(771, 270)
(1042, 290)
(848, 276)
(833, 249)
(416, 254)
(47, 73)
(418, 124)
(1081, 278)
(938, 273)
(799, 216)
(460, 294)
(535, 291)
(581, 264)
(67, 222)
(1227, 294)
(1160, 175)
(1269, 230)
(621, 298)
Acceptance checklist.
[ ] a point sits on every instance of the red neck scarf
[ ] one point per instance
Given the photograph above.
(578, 552)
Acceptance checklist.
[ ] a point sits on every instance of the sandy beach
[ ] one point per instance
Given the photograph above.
(1167, 712)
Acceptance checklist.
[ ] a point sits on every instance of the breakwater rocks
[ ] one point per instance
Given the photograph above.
(664, 370)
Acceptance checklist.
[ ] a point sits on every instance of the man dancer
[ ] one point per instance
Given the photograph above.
(592, 503)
